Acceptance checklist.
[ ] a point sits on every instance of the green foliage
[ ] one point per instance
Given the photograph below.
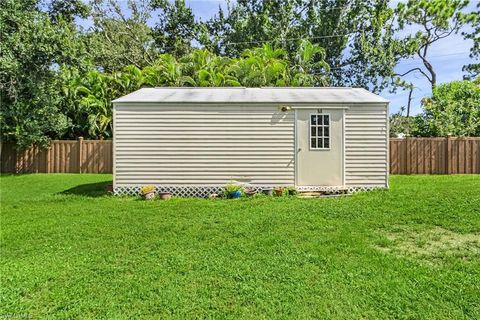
(176, 27)
(433, 14)
(356, 37)
(310, 65)
(67, 10)
(375, 48)
(401, 125)
(69, 252)
(167, 71)
(121, 37)
(209, 70)
(290, 191)
(473, 69)
(454, 109)
(232, 187)
(31, 46)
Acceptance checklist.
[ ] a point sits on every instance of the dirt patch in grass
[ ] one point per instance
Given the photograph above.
(432, 244)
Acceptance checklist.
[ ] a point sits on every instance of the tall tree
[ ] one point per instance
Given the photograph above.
(370, 50)
(120, 35)
(435, 20)
(176, 27)
(356, 35)
(67, 10)
(32, 46)
(250, 23)
(473, 69)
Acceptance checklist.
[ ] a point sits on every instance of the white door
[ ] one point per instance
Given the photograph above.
(319, 144)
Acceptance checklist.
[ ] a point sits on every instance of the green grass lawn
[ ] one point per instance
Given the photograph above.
(68, 251)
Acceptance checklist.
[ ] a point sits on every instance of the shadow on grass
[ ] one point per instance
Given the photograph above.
(97, 189)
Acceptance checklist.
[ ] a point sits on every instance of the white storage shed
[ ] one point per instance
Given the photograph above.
(192, 141)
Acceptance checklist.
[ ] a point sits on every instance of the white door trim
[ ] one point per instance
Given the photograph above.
(295, 150)
(343, 149)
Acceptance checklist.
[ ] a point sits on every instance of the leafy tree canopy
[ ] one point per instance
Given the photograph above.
(453, 109)
(121, 37)
(473, 69)
(356, 35)
(176, 27)
(31, 47)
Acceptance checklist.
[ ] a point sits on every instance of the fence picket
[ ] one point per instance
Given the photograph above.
(63, 156)
(435, 155)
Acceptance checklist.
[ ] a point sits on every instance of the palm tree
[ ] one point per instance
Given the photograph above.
(262, 66)
(310, 68)
(167, 71)
(130, 79)
(208, 70)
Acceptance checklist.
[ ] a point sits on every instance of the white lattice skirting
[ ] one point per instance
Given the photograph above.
(206, 191)
(339, 189)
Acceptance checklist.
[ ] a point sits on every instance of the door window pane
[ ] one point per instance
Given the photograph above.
(320, 143)
(319, 131)
(326, 119)
(326, 143)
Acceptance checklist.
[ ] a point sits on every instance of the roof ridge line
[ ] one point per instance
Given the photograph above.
(195, 88)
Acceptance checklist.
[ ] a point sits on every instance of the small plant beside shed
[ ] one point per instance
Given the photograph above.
(148, 192)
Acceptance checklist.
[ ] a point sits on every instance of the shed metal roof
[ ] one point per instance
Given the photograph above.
(252, 95)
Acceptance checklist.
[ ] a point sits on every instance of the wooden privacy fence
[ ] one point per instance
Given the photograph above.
(63, 156)
(407, 156)
(435, 155)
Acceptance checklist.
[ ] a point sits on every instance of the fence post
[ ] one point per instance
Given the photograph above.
(407, 155)
(448, 153)
(80, 152)
(47, 158)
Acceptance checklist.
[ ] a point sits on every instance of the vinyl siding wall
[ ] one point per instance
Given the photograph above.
(203, 145)
(366, 146)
